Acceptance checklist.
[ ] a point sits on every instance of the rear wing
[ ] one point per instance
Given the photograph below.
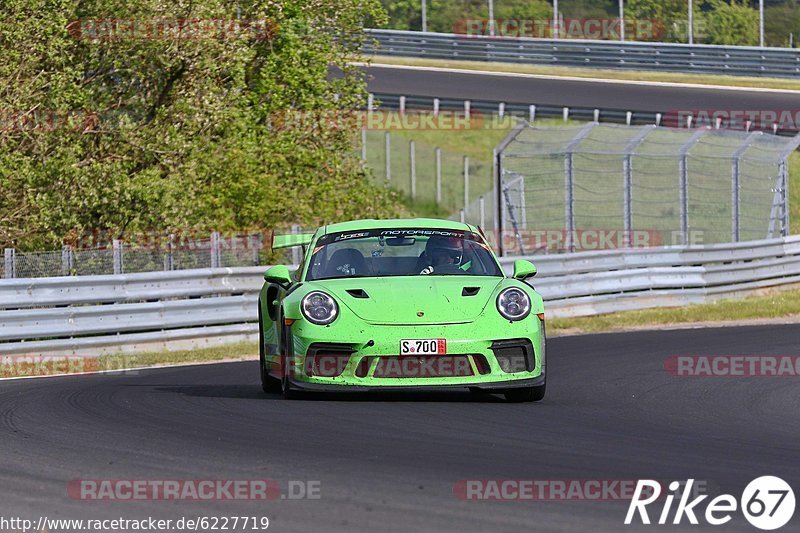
(289, 241)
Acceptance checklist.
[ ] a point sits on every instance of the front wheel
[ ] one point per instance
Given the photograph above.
(286, 352)
(526, 394)
(268, 383)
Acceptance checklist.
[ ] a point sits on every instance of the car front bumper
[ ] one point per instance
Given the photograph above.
(498, 355)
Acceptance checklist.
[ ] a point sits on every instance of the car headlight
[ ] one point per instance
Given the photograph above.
(319, 308)
(514, 304)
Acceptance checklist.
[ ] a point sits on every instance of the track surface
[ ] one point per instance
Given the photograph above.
(390, 462)
(510, 89)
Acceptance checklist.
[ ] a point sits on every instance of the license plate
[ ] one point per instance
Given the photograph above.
(423, 347)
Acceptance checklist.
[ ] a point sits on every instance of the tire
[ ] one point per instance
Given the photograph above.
(526, 394)
(268, 383)
(288, 392)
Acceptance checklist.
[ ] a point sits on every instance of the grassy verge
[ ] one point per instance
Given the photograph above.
(769, 305)
(42, 365)
(609, 74)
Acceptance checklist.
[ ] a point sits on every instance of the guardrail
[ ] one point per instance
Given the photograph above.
(95, 314)
(667, 57)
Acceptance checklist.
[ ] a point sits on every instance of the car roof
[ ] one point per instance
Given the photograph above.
(431, 223)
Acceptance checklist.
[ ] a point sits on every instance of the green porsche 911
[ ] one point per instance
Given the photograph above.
(400, 304)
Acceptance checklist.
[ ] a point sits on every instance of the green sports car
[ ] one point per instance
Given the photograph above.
(400, 304)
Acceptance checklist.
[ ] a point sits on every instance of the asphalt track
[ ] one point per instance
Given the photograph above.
(559, 92)
(389, 463)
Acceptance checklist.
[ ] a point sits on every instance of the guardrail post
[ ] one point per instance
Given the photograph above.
(387, 147)
(435, 107)
(467, 108)
(438, 175)
(67, 262)
(117, 248)
(413, 164)
(482, 212)
(531, 113)
(402, 105)
(215, 252)
(463, 217)
(10, 269)
(501, 109)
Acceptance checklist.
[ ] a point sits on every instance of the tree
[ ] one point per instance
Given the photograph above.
(731, 24)
(171, 132)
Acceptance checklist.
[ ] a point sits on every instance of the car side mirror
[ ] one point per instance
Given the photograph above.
(524, 269)
(278, 274)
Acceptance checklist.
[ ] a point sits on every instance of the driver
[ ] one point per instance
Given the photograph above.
(441, 251)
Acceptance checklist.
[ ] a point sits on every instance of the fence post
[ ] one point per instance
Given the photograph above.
(627, 170)
(736, 185)
(169, 258)
(466, 183)
(412, 156)
(117, 248)
(297, 253)
(10, 263)
(66, 260)
(387, 146)
(215, 253)
(363, 143)
(438, 175)
(683, 165)
(256, 243)
(569, 186)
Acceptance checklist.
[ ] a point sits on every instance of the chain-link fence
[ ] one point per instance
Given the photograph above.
(611, 186)
(120, 257)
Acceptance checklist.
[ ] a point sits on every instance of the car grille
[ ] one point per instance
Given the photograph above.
(514, 355)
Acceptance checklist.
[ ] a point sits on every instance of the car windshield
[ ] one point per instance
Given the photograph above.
(401, 252)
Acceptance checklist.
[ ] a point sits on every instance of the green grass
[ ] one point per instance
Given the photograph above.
(235, 351)
(633, 75)
(768, 305)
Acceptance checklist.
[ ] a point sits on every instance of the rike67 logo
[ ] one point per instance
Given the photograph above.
(767, 503)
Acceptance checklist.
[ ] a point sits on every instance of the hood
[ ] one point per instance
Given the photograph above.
(399, 300)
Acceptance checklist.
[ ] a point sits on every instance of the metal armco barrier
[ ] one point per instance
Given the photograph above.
(90, 315)
(667, 57)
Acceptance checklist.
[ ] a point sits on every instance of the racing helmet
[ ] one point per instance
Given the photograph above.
(453, 247)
